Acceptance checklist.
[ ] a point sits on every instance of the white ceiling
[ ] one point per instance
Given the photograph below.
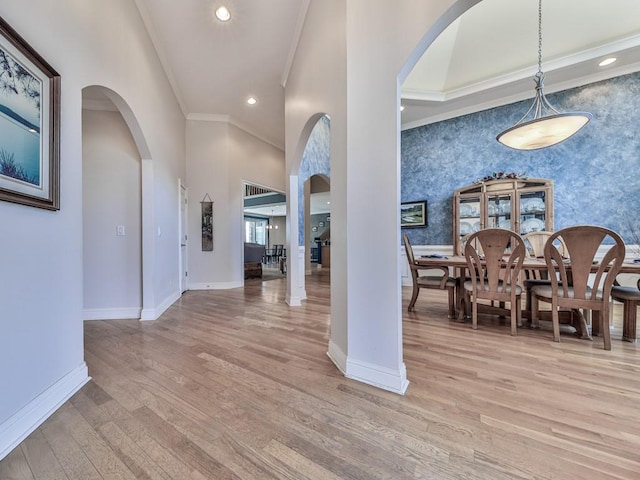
(214, 67)
(484, 59)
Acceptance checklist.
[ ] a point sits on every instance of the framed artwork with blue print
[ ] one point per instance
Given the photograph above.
(29, 124)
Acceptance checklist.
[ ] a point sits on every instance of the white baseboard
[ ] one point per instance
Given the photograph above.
(337, 356)
(111, 313)
(294, 301)
(20, 425)
(154, 313)
(392, 380)
(215, 285)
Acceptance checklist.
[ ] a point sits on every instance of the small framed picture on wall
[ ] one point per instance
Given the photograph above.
(413, 214)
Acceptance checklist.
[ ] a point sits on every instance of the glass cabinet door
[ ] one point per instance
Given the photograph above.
(499, 211)
(532, 212)
(470, 219)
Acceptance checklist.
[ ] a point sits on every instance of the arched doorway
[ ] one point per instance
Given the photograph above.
(315, 160)
(113, 176)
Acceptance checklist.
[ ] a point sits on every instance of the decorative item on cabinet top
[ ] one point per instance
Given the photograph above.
(509, 201)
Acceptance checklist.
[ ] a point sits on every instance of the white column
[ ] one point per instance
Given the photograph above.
(295, 259)
(307, 223)
(148, 242)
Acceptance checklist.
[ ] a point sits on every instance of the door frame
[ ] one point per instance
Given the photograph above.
(183, 243)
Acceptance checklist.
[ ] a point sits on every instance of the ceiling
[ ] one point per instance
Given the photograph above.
(484, 59)
(214, 66)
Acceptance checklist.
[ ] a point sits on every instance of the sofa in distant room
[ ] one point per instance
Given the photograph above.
(253, 255)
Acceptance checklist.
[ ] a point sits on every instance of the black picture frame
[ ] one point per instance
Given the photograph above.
(413, 214)
(207, 225)
(29, 124)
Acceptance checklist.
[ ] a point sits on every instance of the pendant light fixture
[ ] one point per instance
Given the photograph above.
(271, 226)
(548, 126)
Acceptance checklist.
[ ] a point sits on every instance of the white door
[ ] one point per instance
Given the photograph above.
(183, 239)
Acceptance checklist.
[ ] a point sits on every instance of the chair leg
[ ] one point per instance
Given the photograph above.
(474, 312)
(515, 315)
(414, 297)
(606, 331)
(452, 305)
(556, 321)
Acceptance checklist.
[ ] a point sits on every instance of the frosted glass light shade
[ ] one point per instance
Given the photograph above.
(544, 131)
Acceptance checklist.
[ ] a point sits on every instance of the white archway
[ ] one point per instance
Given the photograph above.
(102, 98)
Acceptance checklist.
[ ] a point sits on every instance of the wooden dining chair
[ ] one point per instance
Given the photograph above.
(534, 243)
(494, 272)
(630, 297)
(574, 286)
(436, 282)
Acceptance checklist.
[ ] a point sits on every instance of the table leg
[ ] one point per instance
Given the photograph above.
(629, 322)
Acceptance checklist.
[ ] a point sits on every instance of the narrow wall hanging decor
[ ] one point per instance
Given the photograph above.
(206, 206)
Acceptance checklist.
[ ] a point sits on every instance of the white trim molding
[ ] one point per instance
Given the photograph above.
(154, 313)
(111, 313)
(214, 285)
(337, 356)
(20, 425)
(382, 377)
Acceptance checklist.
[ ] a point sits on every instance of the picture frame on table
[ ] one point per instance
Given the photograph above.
(413, 214)
(29, 124)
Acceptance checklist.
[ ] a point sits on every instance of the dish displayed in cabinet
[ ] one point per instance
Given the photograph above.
(465, 228)
(528, 205)
(467, 210)
(532, 225)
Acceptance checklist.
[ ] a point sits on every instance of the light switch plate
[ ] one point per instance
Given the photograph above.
(120, 230)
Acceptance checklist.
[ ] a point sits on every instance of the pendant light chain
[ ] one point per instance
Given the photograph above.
(539, 36)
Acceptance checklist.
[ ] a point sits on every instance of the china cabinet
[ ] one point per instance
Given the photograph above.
(520, 204)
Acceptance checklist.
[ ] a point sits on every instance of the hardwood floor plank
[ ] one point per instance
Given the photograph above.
(15, 466)
(41, 459)
(68, 452)
(235, 384)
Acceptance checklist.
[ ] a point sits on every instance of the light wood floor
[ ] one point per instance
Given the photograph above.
(234, 384)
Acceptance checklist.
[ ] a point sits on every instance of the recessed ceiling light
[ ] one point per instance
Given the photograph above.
(223, 14)
(607, 61)
(252, 101)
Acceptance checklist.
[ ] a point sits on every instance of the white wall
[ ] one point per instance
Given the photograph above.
(41, 345)
(111, 176)
(221, 158)
(317, 85)
(350, 62)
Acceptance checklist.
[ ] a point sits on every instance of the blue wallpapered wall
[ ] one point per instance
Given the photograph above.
(596, 173)
(316, 160)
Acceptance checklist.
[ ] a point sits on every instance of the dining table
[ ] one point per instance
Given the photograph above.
(575, 318)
